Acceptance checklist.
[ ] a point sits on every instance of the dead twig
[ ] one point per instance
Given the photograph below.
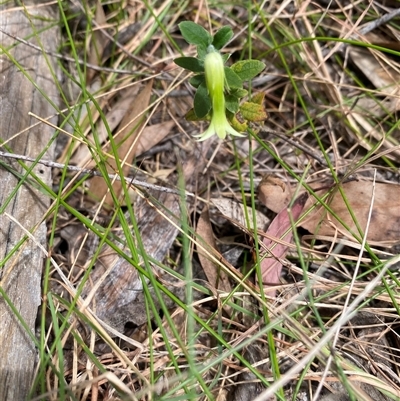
(91, 172)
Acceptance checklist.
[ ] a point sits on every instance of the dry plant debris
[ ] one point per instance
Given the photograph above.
(347, 214)
(277, 238)
(161, 295)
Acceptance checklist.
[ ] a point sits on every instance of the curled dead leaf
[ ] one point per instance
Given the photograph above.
(333, 217)
(236, 213)
(272, 191)
(279, 235)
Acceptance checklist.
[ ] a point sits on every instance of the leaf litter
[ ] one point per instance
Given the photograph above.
(332, 217)
(346, 133)
(280, 229)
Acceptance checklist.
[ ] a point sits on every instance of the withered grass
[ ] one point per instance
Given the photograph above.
(333, 326)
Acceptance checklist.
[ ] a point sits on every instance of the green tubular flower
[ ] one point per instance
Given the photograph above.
(215, 81)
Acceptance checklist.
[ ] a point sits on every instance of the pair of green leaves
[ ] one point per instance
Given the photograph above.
(235, 75)
(197, 35)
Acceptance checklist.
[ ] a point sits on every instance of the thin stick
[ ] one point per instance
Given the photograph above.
(91, 172)
(66, 58)
(285, 138)
(384, 19)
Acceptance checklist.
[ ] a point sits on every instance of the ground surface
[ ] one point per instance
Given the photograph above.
(175, 295)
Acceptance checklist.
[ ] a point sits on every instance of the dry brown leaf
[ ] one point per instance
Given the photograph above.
(82, 154)
(216, 277)
(271, 266)
(385, 221)
(152, 135)
(235, 212)
(126, 143)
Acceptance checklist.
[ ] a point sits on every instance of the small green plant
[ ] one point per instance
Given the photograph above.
(219, 88)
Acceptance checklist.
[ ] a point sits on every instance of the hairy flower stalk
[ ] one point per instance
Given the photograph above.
(215, 81)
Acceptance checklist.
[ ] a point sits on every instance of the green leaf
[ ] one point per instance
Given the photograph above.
(248, 69)
(232, 103)
(201, 52)
(190, 63)
(238, 92)
(232, 79)
(191, 116)
(202, 101)
(194, 33)
(222, 37)
(253, 111)
(197, 80)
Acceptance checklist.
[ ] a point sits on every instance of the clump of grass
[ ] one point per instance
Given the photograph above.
(331, 122)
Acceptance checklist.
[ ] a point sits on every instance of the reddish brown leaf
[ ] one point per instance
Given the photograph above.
(271, 266)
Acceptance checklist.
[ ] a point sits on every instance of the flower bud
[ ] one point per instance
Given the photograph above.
(215, 81)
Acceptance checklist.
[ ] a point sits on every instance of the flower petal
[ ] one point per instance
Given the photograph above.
(215, 82)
